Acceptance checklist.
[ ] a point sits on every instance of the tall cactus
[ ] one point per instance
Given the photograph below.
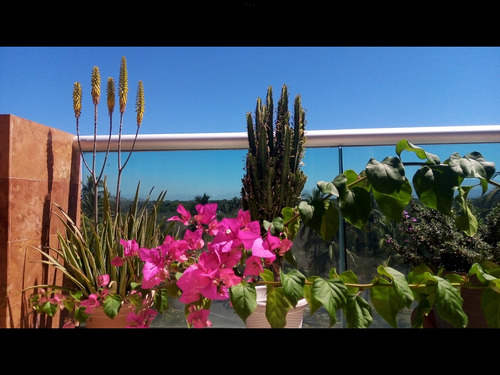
(273, 178)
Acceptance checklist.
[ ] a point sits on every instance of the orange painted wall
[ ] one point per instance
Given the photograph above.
(38, 167)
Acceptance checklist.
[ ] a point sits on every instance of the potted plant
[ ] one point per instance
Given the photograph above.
(94, 255)
(427, 236)
(274, 180)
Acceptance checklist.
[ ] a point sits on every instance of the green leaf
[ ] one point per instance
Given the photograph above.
(404, 145)
(421, 275)
(356, 207)
(340, 183)
(390, 300)
(491, 268)
(449, 303)
(277, 226)
(472, 165)
(392, 205)
(49, 309)
(466, 222)
(293, 285)
(386, 176)
(112, 304)
(490, 305)
(314, 304)
(401, 287)
(357, 312)
(136, 300)
(332, 294)
(277, 307)
(321, 216)
(327, 188)
(76, 294)
(267, 275)
(386, 301)
(329, 223)
(484, 271)
(243, 299)
(161, 300)
(293, 226)
(80, 315)
(306, 211)
(349, 277)
(435, 187)
(350, 179)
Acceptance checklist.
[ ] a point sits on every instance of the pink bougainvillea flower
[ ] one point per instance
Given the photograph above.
(191, 282)
(141, 320)
(104, 293)
(117, 261)
(185, 215)
(206, 213)
(253, 266)
(213, 228)
(69, 323)
(194, 239)
(58, 298)
(130, 247)
(228, 277)
(240, 229)
(199, 318)
(285, 245)
(90, 304)
(174, 250)
(244, 217)
(153, 270)
(260, 249)
(103, 280)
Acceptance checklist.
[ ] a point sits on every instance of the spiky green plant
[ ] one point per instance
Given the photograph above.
(86, 252)
(273, 178)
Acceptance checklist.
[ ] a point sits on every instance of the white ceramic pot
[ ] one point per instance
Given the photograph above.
(258, 319)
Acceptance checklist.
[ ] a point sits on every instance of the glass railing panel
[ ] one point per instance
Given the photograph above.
(189, 175)
(183, 174)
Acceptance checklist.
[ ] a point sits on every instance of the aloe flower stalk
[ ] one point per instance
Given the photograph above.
(140, 114)
(77, 99)
(96, 85)
(110, 91)
(139, 105)
(122, 93)
(123, 85)
(110, 96)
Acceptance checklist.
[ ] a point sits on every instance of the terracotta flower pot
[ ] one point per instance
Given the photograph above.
(98, 319)
(471, 307)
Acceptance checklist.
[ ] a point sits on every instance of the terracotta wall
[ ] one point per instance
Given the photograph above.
(38, 167)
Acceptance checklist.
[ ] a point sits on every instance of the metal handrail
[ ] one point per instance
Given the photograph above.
(315, 138)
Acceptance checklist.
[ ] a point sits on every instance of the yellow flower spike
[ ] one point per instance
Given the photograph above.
(123, 85)
(77, 99)
(139, 104)
(96, 85)
(110, 91)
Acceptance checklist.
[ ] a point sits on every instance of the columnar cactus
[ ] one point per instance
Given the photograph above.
(273, 178)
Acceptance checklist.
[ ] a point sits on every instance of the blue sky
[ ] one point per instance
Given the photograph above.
(210, 89)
